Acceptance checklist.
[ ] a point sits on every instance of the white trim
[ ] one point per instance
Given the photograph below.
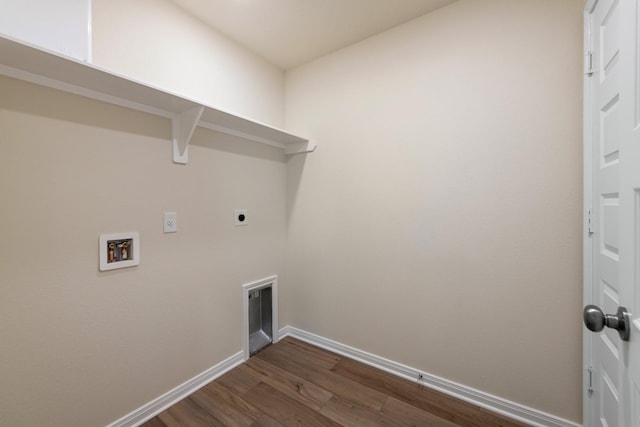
(459, 391)
(254, 286)
(587, 242)
(156, 406)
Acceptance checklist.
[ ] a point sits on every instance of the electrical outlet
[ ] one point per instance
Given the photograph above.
(241, 217)
(170, 222)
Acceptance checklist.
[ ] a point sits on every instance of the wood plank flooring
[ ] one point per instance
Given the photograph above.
(293, 383)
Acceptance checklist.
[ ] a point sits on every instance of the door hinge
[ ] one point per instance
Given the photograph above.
(589, 223)
(590, 372)
(588, 63)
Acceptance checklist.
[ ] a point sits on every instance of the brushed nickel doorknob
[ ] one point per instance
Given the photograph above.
(595, 320)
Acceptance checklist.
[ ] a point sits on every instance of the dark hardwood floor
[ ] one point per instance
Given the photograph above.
(293, 383)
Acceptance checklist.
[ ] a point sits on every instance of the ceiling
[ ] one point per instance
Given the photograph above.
(291, 32)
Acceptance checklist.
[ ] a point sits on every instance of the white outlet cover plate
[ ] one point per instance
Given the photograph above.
(240, 213)
(170, 222)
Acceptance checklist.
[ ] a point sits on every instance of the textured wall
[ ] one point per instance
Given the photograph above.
(438, 223)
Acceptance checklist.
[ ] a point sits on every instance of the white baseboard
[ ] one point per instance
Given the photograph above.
(459, 391)
(153, 408)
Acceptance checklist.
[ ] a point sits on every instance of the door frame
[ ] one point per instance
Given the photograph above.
(587, 245)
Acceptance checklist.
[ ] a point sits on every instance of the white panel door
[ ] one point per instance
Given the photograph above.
(612, 134)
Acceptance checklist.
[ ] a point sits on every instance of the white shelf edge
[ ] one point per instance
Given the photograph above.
(81, 91)
(41, 66)
(300, 148)
(228, 131)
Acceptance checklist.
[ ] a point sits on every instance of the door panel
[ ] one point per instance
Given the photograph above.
(629, 211)
(607, 118)
(613, 118)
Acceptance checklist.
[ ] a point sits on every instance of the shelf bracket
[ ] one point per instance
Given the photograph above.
(184, 124)
(300, 147)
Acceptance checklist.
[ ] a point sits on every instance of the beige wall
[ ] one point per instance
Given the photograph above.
(156, 42)
(438, 224)
(84, 348)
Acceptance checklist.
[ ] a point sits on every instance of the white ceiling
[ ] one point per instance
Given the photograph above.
(291, 32)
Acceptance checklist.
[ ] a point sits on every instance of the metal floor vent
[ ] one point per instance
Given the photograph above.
(260, 319)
